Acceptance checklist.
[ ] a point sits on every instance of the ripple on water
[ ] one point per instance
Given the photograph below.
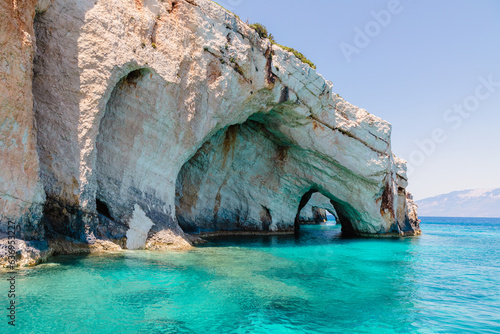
(447, 281)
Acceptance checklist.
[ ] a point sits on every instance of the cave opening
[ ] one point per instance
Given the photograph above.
(103, 209)
(253, 177)
(232, 182)
(120, 125)
(343, 213)
(225, 185)
(303, 201)
(130, 176)
(331, 216)
(318, 210)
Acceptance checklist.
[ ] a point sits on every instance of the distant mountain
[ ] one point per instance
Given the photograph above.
(467, 203)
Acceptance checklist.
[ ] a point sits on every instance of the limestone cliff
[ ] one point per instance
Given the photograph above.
(155, 115)
(21, 194)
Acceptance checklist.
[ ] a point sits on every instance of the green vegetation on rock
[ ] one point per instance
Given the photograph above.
(261, 30)
(263, 33)
(298, 55)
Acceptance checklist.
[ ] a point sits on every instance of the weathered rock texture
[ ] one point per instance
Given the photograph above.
(21, 193)
(154, 113)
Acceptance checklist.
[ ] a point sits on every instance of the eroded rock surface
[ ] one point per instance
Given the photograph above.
(21, 193)
(179, 111)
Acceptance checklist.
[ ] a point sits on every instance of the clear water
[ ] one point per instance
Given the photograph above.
(447, 281)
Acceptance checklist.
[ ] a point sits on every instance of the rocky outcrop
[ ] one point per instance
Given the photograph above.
(152, 114)
(311, 215)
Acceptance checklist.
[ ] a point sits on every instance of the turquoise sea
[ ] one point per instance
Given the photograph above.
(446, 281)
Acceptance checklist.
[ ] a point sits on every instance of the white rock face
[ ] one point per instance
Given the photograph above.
(182, 109)
(140, 225)
(21, 192)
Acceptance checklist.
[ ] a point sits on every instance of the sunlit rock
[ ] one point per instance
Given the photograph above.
(21, 192)
(180, 111)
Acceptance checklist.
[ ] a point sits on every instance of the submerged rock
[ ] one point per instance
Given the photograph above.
(159, 113)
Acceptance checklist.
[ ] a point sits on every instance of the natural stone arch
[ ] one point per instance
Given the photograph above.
(345, 214)
(94, 108)
(316, 210)
(222, 187)
(131, 170)
(252, 177)
(214, 84)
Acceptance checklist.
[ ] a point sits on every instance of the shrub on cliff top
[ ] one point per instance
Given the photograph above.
(261, 29)
(263, 33)
(298, 55)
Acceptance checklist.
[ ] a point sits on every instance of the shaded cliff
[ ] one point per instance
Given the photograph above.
(155, 113)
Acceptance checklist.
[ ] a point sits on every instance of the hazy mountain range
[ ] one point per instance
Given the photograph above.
(466, 203)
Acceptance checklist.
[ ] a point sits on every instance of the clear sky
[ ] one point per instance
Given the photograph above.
(418, 66)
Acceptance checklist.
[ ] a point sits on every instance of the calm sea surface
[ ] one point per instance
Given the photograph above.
(447, 281)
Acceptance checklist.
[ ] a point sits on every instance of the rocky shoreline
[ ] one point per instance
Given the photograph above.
(127, 125)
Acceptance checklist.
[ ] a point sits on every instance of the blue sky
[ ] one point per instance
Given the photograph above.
(421, 71)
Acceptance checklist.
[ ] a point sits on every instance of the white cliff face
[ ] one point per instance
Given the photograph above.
(180, 108)
(140, 225)
(21, 193)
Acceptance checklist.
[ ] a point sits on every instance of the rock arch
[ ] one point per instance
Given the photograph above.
(133, 167)
(345, 214)
(316, 210)
(258, 175)
(193, 103)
